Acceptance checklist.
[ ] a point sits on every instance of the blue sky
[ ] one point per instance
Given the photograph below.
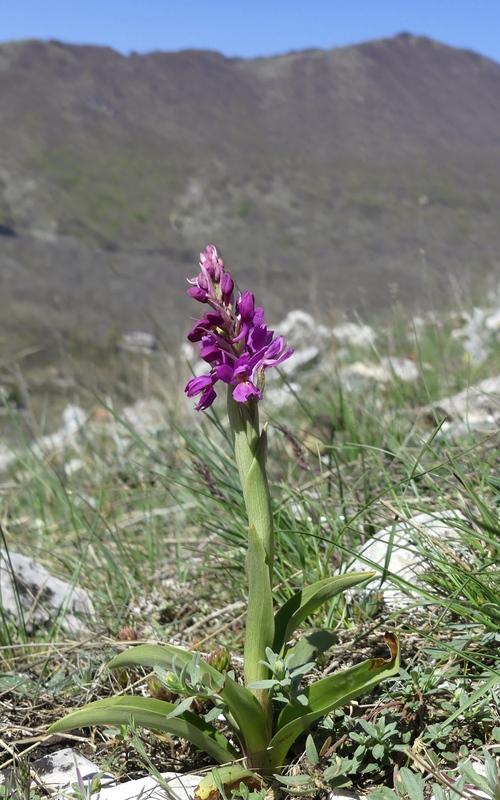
(250, 27)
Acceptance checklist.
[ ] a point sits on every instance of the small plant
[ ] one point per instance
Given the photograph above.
(17, 784)
(377, 741)
(85, 791)
(272, 708)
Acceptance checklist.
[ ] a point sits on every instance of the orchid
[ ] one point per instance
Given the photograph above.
(269, 709)
(233, 338)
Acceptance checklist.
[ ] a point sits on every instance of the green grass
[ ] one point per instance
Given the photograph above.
(155, 528)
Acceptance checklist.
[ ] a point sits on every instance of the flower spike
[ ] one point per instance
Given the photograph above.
(233, 338)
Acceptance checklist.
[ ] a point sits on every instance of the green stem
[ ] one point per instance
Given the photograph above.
(250, 449)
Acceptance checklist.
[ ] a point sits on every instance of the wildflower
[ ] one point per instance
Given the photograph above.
(233, 337)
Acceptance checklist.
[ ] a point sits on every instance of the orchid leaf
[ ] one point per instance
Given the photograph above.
(152, 714)
(328, 694)
(250, 719)
(164, 656)
(246, 712)
(303, 603)
(311, 646)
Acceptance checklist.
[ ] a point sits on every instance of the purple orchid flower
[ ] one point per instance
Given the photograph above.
(233, 338)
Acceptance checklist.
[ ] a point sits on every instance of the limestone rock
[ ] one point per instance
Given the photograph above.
(359, 376)
(58, 772)
(354, 334)
(404, 369)
(301, 330)
(29, 592)
(492, 322)
(472, 334)
(399, 563)
(301, 359)
(474, 408)
(146, 417)
(73, 418)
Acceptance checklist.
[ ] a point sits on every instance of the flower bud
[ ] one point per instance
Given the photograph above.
(198, 294)
(227, 286)
(246, 306)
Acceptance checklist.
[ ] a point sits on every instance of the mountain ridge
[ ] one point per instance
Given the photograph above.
(326, 177)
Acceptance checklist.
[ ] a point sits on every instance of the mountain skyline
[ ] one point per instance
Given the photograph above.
(252, 30)
(330, 180)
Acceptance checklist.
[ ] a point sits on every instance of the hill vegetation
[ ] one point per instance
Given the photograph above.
(336, 179)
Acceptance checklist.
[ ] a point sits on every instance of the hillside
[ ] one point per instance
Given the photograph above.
(336, 179)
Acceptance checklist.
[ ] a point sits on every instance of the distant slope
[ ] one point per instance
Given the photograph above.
(329, 179)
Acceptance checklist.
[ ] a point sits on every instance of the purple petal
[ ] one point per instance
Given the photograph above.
(197, 385)
(257, 358)
(215, 319)
(244, 390)
(199, 330)
(224, 372)
(210, 353)
(277, 361)
(282, 358)
(258, 317)
(258, 337)
(275, 347)
(206, 399)
(241, 363)
(243, 332)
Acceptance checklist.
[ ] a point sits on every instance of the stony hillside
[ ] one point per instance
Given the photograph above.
(333, 179)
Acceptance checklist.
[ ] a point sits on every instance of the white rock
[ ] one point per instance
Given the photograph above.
(73, 419)
(146, 417)
(73, 465)
(492, 322)
(354, 334)
(58, 771)
(472, 334)
(189, 352)
(43, 598)
(139, 342)
(474, 408)
(199, 368)
(300, 360)
(280, 396)
(301, 330)
(479, 768)
(392, 552)
(149, 789)
(417, 323)
(405, 369)
(343, 794)
(359, 376)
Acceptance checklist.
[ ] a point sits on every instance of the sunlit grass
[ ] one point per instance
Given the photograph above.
(155, 528)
